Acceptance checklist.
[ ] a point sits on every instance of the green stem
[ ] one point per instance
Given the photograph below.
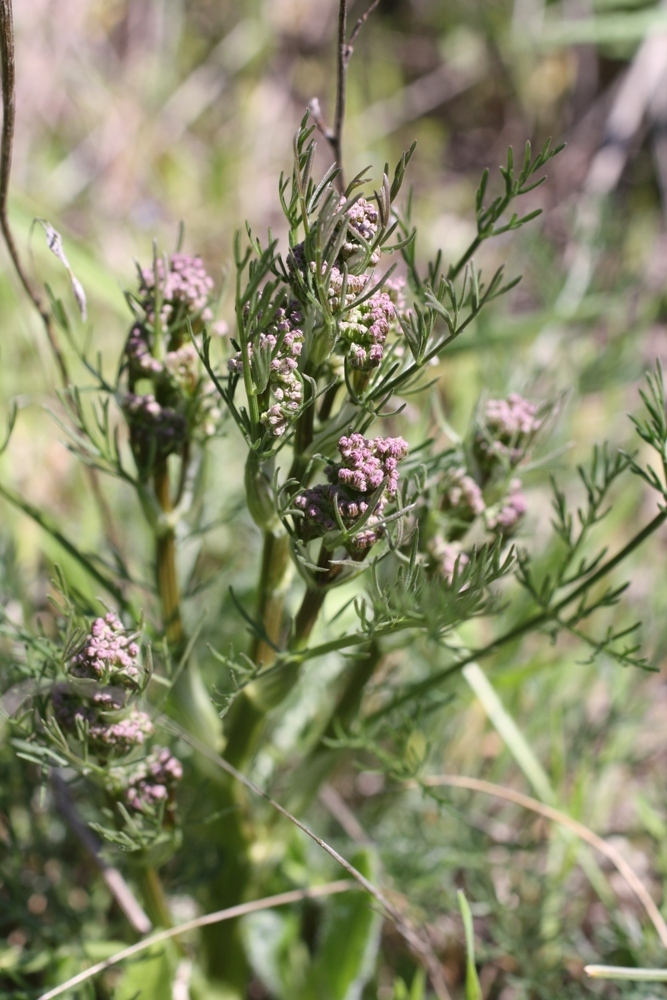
(167, 578)
(271, 594)
(189, 697)
(327, 403)
(455, 269)
(303, 435)
(314, 770)
(245, 719)
(307, 615)
(154, 898)
(313, 599)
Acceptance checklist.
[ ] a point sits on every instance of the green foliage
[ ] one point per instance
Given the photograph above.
(332, 655)
(473, 987)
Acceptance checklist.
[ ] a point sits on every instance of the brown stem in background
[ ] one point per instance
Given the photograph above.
(8, 120)
(334, 136)
(358, 26)
(341, 93)
(115, 882)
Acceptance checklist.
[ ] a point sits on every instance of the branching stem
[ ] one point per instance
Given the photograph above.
(334, 136)
(531, 624)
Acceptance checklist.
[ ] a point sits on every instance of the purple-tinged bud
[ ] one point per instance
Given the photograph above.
(363, 219)
(153, 781)
(365, 328)
(366, 465)
(505, 517)
(507, 431)
(155, 431)
(462, 498)
(138, 354)
(185, 286)
(120, 737)
(285, 337)
(448, 558)
(109, 655)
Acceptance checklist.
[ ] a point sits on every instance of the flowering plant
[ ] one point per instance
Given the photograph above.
(421, 534)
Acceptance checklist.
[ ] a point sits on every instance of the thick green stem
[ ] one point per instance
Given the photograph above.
(303, 436)
(167, 579)
(153, 897)
(246, 716)
(314, 770)
(271, 594)
(225, 959)
(313, 599)
(307, 615)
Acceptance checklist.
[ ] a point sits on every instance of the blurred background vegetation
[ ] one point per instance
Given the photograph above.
(136, 114)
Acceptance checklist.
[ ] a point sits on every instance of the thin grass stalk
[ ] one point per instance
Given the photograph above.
(209, 919)
(527, 802)
(417, 940)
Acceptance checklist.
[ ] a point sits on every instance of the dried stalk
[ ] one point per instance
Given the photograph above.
(282, 899)
(334, 136)
(527, 802)
(418, 943)
(115, 882)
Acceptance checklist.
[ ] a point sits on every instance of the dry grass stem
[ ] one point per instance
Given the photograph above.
(282, 899)
(527, 802)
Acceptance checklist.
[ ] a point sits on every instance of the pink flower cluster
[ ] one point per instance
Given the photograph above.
(363, 219)
(448, 557)
(138, 353)
(505, 517)
(122, 736)
(285, 337)
(462, 497)
(365, 329)
(153, 781)
(180, 366)
(186, 288)
(508, 428)
(155, 431)
(366, 465)
(356, 284)
(108, 655)
(114, 728)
